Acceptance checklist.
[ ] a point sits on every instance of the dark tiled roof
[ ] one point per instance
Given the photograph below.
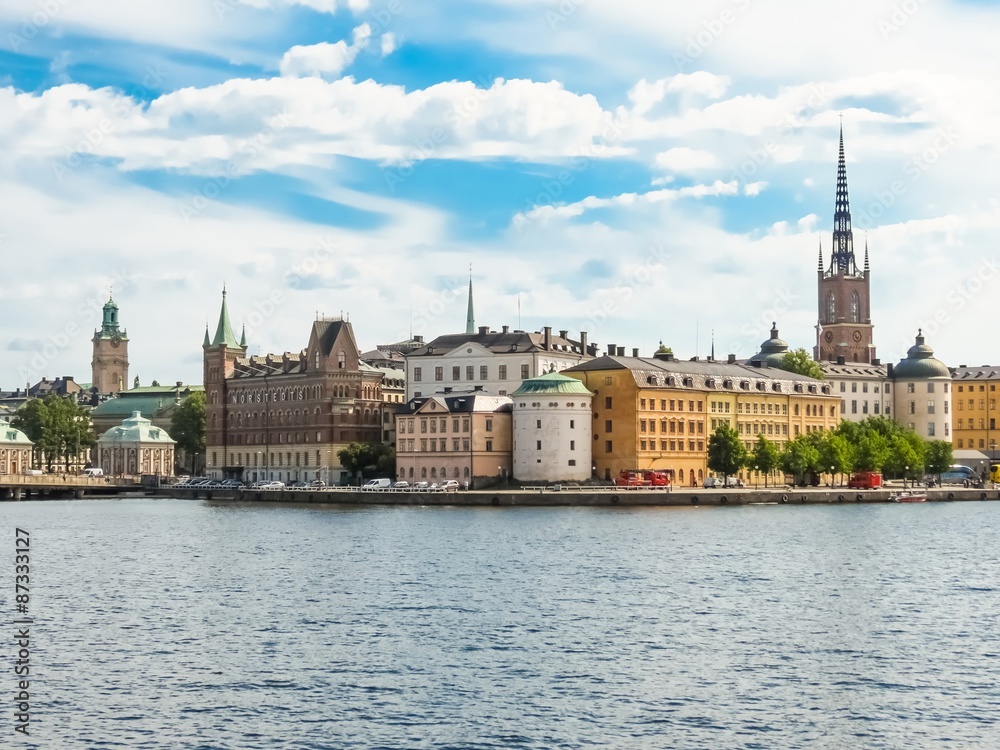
(499, 343)
(473, 402)
(985, 372)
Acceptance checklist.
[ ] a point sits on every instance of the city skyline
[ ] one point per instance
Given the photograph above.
(359, 157)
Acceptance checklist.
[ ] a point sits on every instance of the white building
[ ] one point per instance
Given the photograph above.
(552, 425)
(15, 450)
(489, 361)
(136, 447)
(922, 392)
(864, 389)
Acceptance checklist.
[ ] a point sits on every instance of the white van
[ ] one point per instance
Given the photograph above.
(94, 471)
(377, 484)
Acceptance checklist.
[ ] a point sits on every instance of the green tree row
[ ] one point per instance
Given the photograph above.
(874, 444)
(59, 427)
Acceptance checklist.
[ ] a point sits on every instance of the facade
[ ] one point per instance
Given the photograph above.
(658, 412)
(463, 437)
(15, 450)
(552, 430)
(285, 417)
(489, 361)
(135, 447)
(922, 392)
(844, 328)
(864, 389)
(974, 417)
(109, 366)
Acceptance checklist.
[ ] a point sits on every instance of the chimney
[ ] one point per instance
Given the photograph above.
(877, 362)
(419, 338)
(890, 369)
(563, 334)
(621, 351)
(635, 352)
(757, 363)
(583, 343)
(611, 350)
(483, 330)
(731, 359)
(841, 360)
(505, 329)
(548, 338)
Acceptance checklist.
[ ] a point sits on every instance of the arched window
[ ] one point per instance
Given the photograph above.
(855, 308)
(341, 360)
(434, 472)
(831, 308)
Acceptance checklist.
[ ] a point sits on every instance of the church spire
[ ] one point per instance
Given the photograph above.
(243, 336)
(867, 267)
(820, 266)
(224, 335)
(470, 316)
(842, 263)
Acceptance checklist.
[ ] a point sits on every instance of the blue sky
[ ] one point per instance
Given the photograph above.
(642, 170)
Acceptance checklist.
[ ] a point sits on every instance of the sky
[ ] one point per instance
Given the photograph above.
(643, 170)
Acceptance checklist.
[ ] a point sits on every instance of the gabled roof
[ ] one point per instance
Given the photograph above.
(499, 343)
(985, 372)
(459, 404)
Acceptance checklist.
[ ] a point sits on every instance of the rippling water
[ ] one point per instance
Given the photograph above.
(188, 624)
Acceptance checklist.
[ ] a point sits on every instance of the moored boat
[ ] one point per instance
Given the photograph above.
(908, 497)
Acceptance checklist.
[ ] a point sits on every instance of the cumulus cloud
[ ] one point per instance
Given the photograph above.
(324, 59)
(388, 44)
(684, 159)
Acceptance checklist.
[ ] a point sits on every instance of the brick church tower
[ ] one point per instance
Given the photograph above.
(845, 326)
(220, 355)
(109, 366)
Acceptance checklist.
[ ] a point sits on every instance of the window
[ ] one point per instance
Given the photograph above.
(855, 308)
(456, 373)
(524, 372)
(470, 372)
(538, 424)
(423, 425)
(572, 424)
(503, 372)
(489, 425)
(607, 425)
(417, 374)
(607, 380)
(910, 387)
(572, 445)
(489, 446)
(538, 445)
(439, 373)
(843, 386)
(607, 402)
(854, 387)
(341, 360)
(607, 446)
(912, 408)
(930, 429)
(864, 387)
(484, 372)
(930, 407)
(930, 387)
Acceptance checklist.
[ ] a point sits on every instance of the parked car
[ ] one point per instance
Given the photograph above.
(718, 482)
(421, 486)
(958, 474)
(401, 485)
(273, 485)
(377, 484)
(317, 484)
(450, 486)
(93, 471)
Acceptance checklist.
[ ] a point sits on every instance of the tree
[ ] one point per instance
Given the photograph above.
(187, 428)
(836, 454)
(801, 457)
(871, 452)
(766, 456)
(726, 453)
(906, 455)
(938, 457)
(799, 361)
(59, 427)
(368, 459)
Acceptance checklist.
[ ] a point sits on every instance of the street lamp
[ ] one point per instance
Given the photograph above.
(832, 476)
(906, 471)
(756, 477)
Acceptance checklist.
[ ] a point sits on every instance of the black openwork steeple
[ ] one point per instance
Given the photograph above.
(842, 262)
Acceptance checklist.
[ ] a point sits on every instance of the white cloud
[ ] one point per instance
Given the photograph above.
(323, 59)
(683, 159)
(388, 44)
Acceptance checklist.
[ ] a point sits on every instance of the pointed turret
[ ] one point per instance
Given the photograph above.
(470, 317)
(208, 341)
(842, 263)
(224, 332)
(820, 266)
(243, 336)
(867, 267)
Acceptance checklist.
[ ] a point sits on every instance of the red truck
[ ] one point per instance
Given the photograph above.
(865, 480)
(642, 478)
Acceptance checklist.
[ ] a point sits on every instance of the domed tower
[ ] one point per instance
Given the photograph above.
(771, 351)
(845, 326)
(922, 392)
(552, 426)
(109, 366)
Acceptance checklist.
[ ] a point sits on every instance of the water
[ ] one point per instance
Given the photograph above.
(187, 624)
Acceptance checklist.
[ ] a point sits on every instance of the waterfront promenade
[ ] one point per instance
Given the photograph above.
(24, 487)
(580, 496)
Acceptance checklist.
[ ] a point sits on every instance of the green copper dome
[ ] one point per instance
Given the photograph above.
(552, 382)
(773, 350)
(920, 363)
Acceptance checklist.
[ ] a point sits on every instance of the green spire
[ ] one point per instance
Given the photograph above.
(224, 335)
(208, 341)
(470, 317)
(243, 336)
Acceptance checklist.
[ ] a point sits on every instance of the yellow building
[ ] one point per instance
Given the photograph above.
(974, 409)
(658, 412)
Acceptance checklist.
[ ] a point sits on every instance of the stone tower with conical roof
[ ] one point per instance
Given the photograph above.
(109, 365)
(220, 354)
(844, 328)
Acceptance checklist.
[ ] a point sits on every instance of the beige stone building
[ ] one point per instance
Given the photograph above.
(135, 447)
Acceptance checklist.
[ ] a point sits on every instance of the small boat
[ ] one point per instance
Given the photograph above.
(908, 497)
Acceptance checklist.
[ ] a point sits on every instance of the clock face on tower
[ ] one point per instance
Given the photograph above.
(829, 336)
(115, 341)
(857, 335)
